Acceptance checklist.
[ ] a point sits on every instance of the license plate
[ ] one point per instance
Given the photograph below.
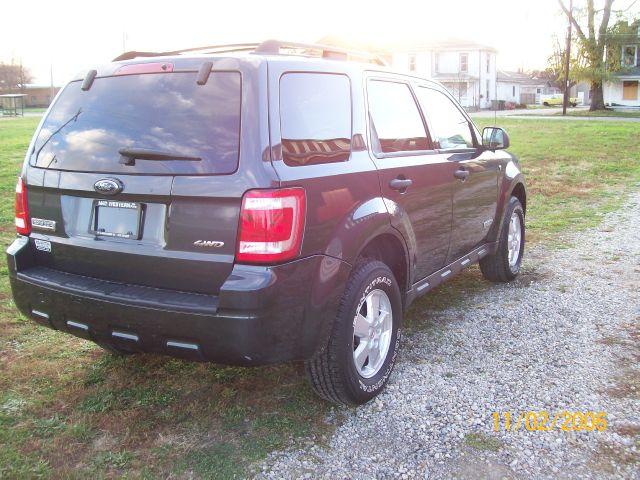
(112, 218)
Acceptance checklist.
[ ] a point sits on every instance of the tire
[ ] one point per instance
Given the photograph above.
(546, 104)
(574, 105)
(497, 267)
(333, 373)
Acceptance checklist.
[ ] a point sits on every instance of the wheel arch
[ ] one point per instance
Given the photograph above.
(389, 248)
(519, 191)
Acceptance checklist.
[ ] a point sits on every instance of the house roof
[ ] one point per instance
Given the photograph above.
(630, 72)
(505, 76)
(442, 44)
(410, 43)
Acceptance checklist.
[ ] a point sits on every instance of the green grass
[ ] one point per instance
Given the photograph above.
(480, 441)
(67, 409)
(603, 113)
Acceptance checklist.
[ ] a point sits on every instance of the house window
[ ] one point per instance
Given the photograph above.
(513, 91)
(436, 60)
(412, 62)
(464, 62)
(629, 56)
(488, 62)
(488, 97)
(538, 90)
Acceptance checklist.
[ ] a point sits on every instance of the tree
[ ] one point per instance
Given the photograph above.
(592, 44)
(554, 73)
(13, 78)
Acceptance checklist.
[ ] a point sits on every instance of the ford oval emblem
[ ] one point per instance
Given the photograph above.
(108, 186)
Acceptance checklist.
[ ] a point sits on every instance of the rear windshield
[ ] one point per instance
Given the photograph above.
(164, 112)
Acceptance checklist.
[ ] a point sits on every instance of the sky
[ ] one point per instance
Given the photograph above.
(69, 36)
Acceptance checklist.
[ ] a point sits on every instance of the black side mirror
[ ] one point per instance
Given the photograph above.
(495, 138)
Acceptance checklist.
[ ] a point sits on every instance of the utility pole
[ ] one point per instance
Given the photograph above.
(567, 62)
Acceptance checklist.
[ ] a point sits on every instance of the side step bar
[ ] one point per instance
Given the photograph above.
(429, 283)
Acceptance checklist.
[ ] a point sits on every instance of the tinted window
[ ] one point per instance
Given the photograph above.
(448, 126)
(396, 125)
(315, 118)
(166, 112)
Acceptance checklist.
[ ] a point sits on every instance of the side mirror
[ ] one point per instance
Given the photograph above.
(495, 138)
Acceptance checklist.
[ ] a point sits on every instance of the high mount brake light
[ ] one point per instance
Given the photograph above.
(23, 224)
(271, 225)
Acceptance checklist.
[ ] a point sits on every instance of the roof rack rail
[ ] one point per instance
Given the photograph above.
(268, 47)
(230, 47)
(272, 47)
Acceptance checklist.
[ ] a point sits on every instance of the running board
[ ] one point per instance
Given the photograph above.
(432, 281)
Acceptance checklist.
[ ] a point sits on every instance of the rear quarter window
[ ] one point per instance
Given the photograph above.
(315, 118)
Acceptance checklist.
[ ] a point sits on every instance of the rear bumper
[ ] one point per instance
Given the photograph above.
(262, 315)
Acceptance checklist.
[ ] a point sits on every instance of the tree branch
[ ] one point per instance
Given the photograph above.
(602, 32)
(573, 21)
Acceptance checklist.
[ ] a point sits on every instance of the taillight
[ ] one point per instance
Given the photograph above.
(271, 225)
(23, 225)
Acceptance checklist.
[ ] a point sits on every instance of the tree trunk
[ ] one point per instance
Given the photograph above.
(597, 97)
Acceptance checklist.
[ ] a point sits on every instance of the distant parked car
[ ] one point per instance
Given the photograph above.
(557, 100)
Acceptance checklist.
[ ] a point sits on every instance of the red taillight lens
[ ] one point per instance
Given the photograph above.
(23, 224)
(271, 225)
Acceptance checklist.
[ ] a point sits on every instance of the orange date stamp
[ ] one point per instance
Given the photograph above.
(543, 421)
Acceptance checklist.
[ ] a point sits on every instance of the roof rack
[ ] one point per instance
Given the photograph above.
(273, 47)
(268, 47)
(230, 47)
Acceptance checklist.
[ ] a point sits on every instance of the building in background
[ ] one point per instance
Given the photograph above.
(39, 95)
(624, 89)
(467, 69)
(522, 88)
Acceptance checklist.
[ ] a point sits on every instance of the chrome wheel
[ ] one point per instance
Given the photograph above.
(372, 328)
(514, 239)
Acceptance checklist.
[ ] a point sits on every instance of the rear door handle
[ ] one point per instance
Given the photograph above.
(400, 184)
(461, 174)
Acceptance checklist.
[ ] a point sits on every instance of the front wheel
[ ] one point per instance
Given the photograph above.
(364, 342)
(504, 264)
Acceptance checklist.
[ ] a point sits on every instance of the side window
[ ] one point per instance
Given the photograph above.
(315, 118)
(396, 124)
(449, 127)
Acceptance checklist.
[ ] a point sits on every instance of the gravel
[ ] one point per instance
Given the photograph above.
(565, 336)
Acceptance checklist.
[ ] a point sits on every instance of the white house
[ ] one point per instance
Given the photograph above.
(623, 90)
(467, 69)
(518, 87)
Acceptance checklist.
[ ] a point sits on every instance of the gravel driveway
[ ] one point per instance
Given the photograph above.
(565, 336)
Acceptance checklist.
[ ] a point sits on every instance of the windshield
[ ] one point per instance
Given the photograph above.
(167, 112)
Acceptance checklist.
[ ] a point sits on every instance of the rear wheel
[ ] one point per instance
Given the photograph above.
(364, 342)
(504, 264)
(546, 104)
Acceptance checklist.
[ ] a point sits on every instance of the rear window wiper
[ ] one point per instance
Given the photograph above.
(73, 118)
(130, 155)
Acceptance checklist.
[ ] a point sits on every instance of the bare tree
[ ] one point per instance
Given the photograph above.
(13, 78)
(592, 44)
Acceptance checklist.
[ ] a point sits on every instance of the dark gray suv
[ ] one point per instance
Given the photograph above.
(252, 204)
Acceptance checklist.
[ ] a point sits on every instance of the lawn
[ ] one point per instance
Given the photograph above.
(603, 113)
(67, 409)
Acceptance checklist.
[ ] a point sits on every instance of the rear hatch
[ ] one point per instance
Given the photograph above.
(135, 179)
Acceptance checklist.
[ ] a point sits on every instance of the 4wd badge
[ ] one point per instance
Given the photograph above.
(208, 243)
